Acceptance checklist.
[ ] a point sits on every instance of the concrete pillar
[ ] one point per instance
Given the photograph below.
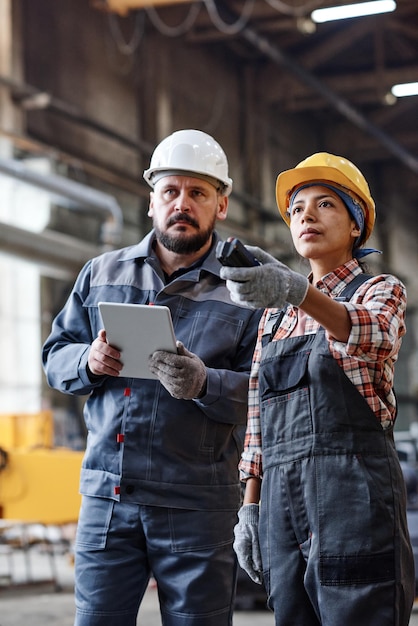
(20, 369)
(6, 112)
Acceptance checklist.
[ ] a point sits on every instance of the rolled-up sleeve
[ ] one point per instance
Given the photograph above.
(377, 321)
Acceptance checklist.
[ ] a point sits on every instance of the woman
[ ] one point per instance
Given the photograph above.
(319, 458)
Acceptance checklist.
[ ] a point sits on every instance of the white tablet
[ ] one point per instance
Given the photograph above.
(137, 330)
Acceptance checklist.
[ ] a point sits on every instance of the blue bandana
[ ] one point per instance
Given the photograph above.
(353, 207)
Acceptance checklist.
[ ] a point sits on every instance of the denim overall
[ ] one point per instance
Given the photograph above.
(333, 532)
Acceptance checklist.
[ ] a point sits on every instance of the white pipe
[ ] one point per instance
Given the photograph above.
(82, 196)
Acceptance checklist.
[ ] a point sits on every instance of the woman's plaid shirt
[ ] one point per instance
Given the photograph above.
(377, 312)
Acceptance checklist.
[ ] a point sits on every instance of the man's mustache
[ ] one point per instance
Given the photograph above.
(182, 217)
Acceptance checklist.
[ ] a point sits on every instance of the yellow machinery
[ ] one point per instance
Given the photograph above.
(38, 483)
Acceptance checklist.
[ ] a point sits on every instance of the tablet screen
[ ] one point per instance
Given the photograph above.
(137, 330)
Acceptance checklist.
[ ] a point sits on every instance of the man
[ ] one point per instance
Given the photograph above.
(159, 479)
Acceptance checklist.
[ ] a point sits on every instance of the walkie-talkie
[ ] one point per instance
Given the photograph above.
(233, 253)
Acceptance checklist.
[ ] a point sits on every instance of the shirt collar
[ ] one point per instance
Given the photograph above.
(336, 281)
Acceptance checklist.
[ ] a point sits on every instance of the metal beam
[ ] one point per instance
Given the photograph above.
(124, 6)
(355, 117)
(359, 86)
(22, 93)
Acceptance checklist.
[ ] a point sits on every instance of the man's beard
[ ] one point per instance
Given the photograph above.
(187, 244)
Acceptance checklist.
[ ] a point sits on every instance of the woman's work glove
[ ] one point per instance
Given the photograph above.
(182, 374)
(246, 543)
(268, 285)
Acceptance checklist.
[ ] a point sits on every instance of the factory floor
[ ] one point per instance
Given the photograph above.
(36, 588)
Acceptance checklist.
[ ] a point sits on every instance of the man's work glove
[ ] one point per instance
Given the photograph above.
(246, 544)
(268, 285)
(182, 374)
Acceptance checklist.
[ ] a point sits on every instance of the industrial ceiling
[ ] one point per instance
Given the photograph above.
(346, 67)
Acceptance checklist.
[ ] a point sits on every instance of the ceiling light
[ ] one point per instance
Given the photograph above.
(353, 10)
(305, 25)
(405, 89)
(389, 99)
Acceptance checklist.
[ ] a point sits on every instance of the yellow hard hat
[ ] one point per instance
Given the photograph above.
(325, 167)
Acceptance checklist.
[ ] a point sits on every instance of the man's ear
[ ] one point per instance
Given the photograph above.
(151, 205)
(222, 207)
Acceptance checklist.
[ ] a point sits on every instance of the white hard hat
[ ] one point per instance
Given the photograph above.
(191, 151)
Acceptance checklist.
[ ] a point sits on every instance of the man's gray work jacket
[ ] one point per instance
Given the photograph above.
(143, 446)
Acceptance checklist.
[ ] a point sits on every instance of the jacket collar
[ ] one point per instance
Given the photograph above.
(144, 250)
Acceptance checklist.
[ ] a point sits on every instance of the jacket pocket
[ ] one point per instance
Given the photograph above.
(93, 523)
